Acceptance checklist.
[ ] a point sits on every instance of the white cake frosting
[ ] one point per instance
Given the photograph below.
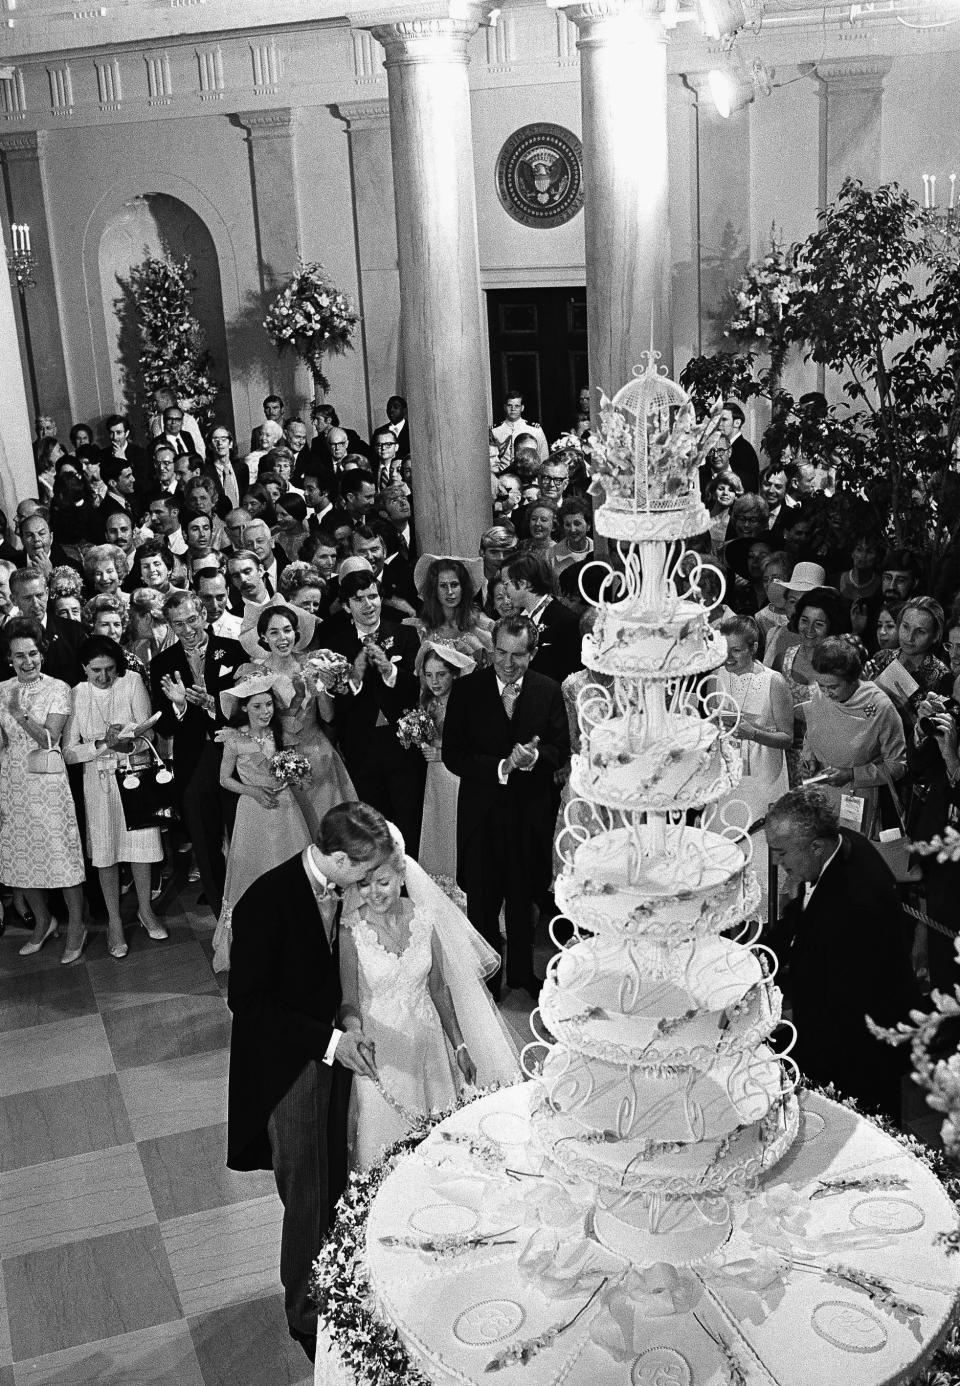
(692, 764)
(669, 643)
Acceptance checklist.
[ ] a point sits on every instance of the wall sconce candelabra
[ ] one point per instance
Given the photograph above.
(948, 216)
(21, 261)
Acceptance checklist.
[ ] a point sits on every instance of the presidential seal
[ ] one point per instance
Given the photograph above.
(540, 175)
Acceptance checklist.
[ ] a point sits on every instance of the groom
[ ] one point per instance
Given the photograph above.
(290, 1067)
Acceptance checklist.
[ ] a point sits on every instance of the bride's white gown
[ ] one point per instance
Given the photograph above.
(415, 1064)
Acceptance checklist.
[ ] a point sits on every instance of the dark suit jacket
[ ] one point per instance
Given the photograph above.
(477, 736)
(284, 992)
(745, 463)
(357, 714)
(848, 957)
(558, 653)
(222, 659)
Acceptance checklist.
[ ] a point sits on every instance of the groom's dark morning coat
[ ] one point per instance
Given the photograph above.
(284, 993)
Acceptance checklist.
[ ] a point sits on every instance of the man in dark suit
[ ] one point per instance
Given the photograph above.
(28, 592)
(845, 946)
(505, 735)
(290, 1066)
(529, 585)
(383, 686)
(743, 457)
(121, 445)
(186, 681)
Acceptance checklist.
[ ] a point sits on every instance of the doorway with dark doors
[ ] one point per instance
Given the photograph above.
(538, 345)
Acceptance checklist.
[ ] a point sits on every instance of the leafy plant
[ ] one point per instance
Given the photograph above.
(720, 374)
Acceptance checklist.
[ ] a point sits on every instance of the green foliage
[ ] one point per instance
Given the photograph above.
(172, 349)
(723, 375)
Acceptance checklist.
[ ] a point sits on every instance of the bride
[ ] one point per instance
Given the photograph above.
(412, 970)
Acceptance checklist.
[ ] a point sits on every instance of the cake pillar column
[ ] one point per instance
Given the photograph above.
(623, 91)
(442, 322)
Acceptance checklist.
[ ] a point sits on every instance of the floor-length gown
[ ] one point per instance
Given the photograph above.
(764, 776)
(302, 731)
(438, 835)
(262, 838)
(415, 1064)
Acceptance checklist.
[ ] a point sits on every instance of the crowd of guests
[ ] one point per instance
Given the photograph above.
(228, 603)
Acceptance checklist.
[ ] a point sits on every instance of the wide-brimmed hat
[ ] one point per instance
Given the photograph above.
(354, 564)
(804, 578)
(247, 686)
(306, 624)
(448, 653)
(474, 567)
(737, 551)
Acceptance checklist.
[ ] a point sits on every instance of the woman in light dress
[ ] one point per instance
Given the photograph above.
(438, 667)
(412, 970)
(113, 699)
(447, 587)
(270, 826)
(765, 729)
(276, 637)
(854, 739)
(39, 839)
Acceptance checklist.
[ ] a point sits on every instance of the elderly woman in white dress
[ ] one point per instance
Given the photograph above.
(112, 700)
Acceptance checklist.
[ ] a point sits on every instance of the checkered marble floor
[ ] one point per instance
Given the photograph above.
(129, 1254)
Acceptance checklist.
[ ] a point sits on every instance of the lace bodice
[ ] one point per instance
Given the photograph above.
(394, 987)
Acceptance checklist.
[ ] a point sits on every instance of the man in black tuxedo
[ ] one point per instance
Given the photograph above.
(186, 681)
(529, 585)
(505, 736)
(28, 592)
(497, 545)
(290, 1067)
(844, 943)
(121, 445)
(743, 457)
(383, 686)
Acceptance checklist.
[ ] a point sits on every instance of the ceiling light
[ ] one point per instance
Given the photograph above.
(721, 19)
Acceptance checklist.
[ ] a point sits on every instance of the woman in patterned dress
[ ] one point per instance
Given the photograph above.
(39, 839)
(112, 698)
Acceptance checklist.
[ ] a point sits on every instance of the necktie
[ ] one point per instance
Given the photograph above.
(181, 445)
(509, 698)
(268, 585)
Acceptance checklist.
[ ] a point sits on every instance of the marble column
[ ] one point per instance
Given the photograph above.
(443, 326)
(23, 155)
(271, 135)
(371, 174)
(851, 110)
(623, 89)
(17, 475)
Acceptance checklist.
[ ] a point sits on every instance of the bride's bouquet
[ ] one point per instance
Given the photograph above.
(416, 728)
(290, 769)
(331, 671)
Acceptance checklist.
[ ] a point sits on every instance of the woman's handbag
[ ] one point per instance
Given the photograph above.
(148, 793)
(46, 761)
(896, 852)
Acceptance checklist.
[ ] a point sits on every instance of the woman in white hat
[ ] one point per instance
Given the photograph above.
(447, 587)
(270, 826)
(277, 636)
(804, 578)
(438, 667)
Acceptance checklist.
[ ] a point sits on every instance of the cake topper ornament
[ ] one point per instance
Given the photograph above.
(651, 444)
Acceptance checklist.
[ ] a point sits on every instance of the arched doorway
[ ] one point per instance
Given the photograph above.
(156, 224)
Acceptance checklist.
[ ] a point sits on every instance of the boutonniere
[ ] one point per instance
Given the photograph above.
(219, 655)
(387, 644)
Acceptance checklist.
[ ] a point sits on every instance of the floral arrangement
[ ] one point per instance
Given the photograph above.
(173, 349)
(674, 455)
(762, 300)
(416, 728)
(290, 769)
(945, 848)
(334, 676)
(313, 317)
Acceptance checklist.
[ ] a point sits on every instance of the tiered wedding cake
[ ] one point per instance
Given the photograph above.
(661, 1087)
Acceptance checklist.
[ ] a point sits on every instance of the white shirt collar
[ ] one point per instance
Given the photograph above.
(517, 683)
(810, 886)
(537, 611)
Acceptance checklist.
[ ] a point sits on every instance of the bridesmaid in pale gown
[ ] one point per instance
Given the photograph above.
(270, 826)
(438, 667)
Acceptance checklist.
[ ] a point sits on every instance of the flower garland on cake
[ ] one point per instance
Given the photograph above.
(374, 1353)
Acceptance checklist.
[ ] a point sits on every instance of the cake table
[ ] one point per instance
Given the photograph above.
(473, 1255)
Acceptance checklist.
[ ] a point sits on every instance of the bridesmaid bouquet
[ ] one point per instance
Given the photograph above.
(290, 769)
(331, 671)
(416, 729)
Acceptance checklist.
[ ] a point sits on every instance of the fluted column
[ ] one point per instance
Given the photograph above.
(18, 477)
(443, 331)
(623, 91)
